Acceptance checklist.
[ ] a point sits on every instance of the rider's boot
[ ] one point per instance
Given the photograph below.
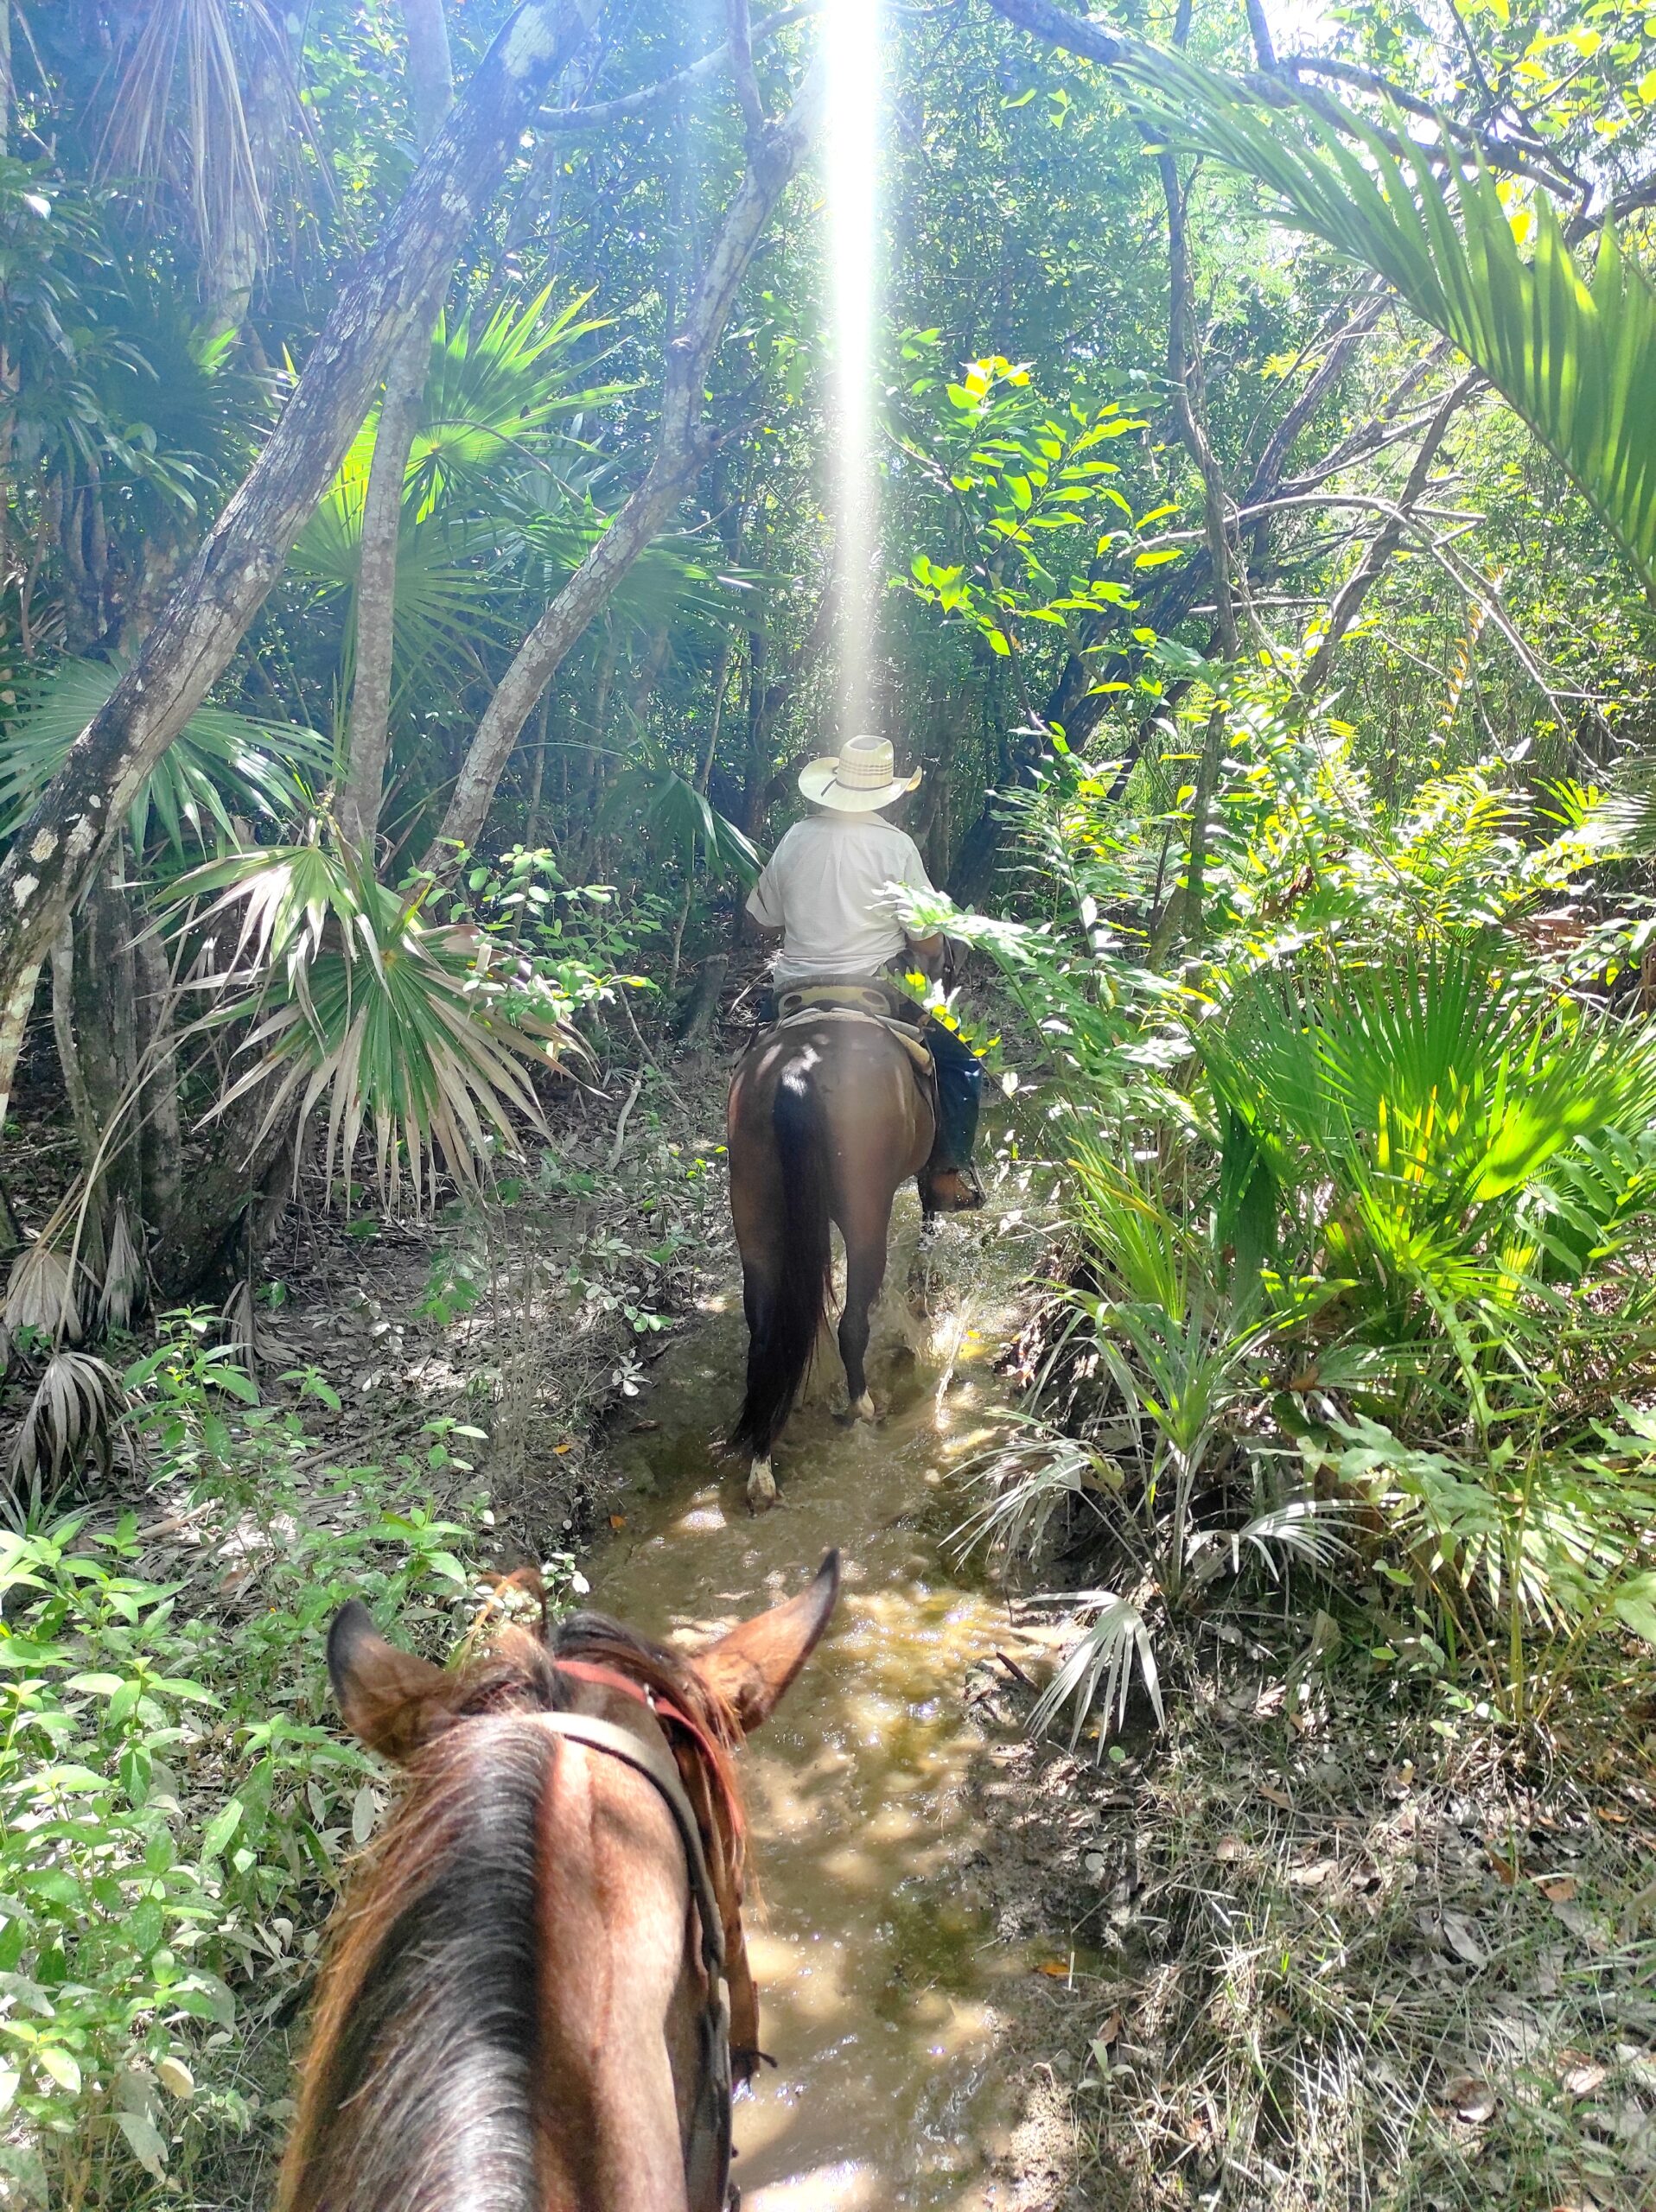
(952, 1190)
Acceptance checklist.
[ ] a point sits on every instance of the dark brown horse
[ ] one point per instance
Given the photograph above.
(537, 1990)
(827, 1119)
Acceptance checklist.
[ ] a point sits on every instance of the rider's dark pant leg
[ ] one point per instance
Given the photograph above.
(960, 1094)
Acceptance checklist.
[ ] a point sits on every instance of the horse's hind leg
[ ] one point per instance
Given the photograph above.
(865, 1271)
(757, 1290)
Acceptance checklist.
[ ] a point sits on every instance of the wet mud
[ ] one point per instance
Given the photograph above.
(874, 1950)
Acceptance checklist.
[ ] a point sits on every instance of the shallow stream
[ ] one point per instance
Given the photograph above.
(876, 1960)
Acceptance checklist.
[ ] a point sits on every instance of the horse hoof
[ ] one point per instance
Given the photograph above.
(761, 1487)
(862, 1408)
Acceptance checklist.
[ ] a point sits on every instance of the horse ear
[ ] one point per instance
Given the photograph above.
(392, 1700)
(752, 1666)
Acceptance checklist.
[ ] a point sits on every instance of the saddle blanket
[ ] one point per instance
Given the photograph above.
(858, 1001)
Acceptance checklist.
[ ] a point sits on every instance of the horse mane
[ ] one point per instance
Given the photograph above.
(419, 2082)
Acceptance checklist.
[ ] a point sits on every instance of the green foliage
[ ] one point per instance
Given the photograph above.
(1373, 1175)
(1403, 1117)
(682, 820)
(175, 1804)
(1016, 480)
(221, 764)
(1574, 358)
(1526, 1550)
(494, 392)
(399, 1027)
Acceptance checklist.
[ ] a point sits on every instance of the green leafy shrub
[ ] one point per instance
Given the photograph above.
(174, 1801)
(1363, 1196)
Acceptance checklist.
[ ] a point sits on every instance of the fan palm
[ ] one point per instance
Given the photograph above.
(1575, 356)
(448, 602)
(222, 763)
(1420, 1119)
(466, 544)
(493, 392)
(350, 999)
(681, 819)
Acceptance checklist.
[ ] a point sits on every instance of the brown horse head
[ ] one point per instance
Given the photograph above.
(513, 2014)
(826, 1120)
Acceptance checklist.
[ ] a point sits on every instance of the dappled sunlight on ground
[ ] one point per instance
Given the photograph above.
(877, 1969)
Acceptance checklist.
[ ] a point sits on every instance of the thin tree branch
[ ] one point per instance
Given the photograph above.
(1185, 377)
(628, 105)
(1349, 598)
(1276, 88)
(1264, 45)
(1497, 149)
(740, 46)
(681, 447)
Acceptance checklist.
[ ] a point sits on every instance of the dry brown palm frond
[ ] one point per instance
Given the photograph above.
(202, 96)
(41, 1294)
(248, 1333)
(123, 1277)
(70, 1424)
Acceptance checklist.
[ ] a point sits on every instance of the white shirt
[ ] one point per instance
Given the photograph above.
(827, 889)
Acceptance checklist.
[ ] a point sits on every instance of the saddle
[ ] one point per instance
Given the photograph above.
(861, 1000)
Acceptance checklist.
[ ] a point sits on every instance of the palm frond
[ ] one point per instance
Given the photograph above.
(1574, 355)
(124, 1276)
(684, 820)
(670, 582)
(1153, 1255)
(354, 1004)
(1099, 1671)
(1432, 1094)
(1309, 1531)
(1029, 1479)
(41, 1294)
(69, 1427)
(221, 765)
(493, 390)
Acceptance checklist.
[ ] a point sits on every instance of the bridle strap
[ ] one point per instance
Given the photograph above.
(707, 2156)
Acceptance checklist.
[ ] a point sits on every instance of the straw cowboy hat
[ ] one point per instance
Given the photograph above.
(857, 779)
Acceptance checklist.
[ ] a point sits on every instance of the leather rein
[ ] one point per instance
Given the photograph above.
(708, 2149)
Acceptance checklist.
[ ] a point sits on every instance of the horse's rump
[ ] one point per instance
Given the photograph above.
(828, 1115)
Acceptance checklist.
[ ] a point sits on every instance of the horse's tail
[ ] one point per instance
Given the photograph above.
(784, 1334)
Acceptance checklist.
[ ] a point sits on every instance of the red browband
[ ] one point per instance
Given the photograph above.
(611, 1678)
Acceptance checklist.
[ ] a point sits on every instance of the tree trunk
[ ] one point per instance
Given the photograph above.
(376, 585)
(200, 1241)
(680, 450)
(430, 71)
(160, 1137)
(74, 1083)
(93, 994)
(430, 92)
(56, 853)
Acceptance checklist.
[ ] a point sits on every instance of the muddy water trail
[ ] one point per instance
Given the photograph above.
(877, 1970)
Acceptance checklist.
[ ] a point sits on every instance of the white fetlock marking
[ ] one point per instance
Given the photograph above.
(762, 1485)
(862, 1408)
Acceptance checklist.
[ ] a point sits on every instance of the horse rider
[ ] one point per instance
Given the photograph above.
(828, 891)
